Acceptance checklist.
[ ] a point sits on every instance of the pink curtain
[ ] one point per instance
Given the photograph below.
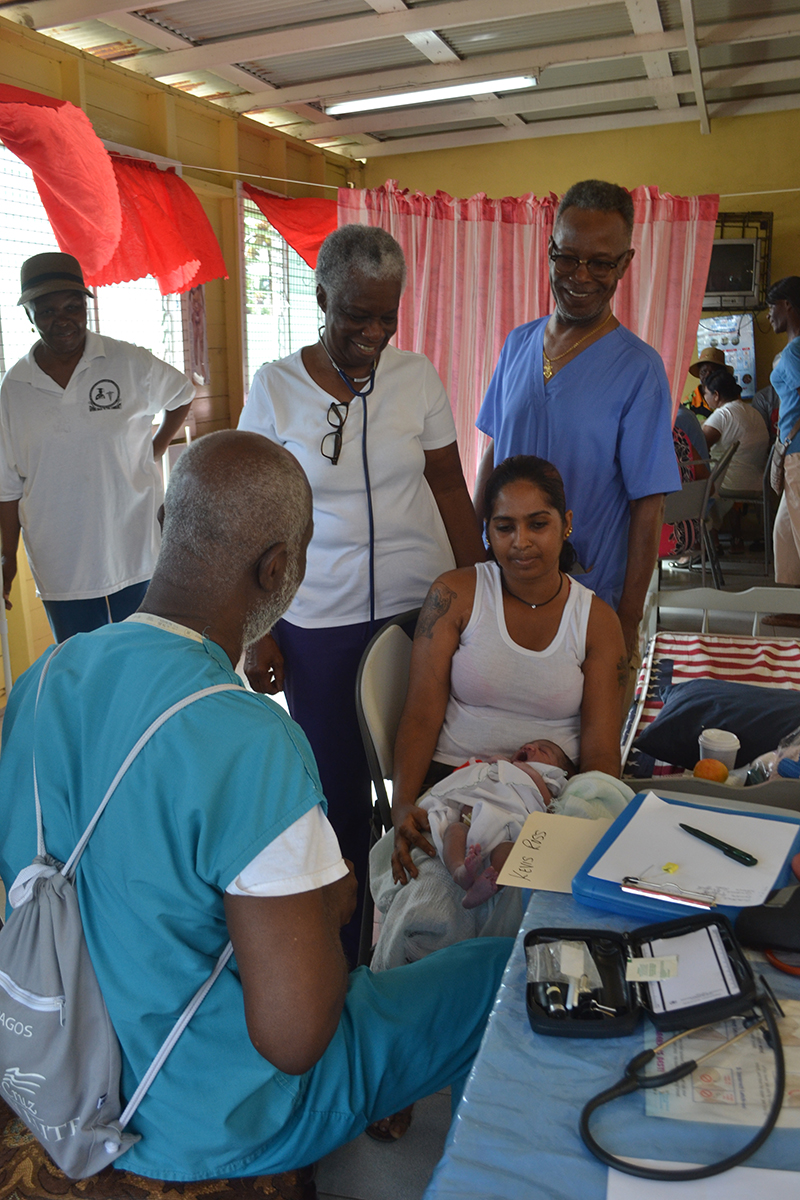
(477, 268)
(661, 297)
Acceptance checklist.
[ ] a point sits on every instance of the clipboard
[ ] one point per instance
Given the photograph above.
(609, 896)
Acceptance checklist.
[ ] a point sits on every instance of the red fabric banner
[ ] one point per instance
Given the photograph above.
(165, 231)
(303, 223)
(71, 168)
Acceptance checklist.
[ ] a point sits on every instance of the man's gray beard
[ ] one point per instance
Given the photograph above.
(260, 619)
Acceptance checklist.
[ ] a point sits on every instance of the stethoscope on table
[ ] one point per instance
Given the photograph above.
(635, 1077)
(334, 458)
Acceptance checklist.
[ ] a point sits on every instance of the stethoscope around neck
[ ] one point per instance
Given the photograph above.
(362, 396)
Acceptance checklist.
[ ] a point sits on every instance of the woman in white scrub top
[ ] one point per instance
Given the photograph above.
(372, 428)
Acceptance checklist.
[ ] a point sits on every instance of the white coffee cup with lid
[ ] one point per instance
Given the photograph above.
(719, 744)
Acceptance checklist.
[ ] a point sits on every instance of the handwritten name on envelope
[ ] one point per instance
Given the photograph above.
(550, 850)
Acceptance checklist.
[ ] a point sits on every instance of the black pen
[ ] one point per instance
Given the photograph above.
(741, 856)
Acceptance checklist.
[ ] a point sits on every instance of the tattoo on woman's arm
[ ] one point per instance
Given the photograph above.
(438, 601)
(622, 672)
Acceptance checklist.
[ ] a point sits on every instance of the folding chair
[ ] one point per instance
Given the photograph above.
(764, 498)
(381, 686)
(691, 504)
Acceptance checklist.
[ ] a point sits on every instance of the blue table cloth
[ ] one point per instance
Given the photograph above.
(515, 1134)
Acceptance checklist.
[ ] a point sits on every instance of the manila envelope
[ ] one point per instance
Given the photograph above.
(550, 850)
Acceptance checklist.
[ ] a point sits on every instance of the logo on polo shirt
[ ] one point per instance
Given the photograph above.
(104, 394)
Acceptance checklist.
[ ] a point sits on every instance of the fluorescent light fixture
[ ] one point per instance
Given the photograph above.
(514, 84)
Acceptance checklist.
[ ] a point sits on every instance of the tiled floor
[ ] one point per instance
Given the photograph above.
(369, 1170)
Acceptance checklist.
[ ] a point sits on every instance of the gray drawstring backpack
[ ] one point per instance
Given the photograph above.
(59, 1055)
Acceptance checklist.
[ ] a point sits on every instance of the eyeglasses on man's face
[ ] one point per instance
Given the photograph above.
(331, 444)
(600, 269)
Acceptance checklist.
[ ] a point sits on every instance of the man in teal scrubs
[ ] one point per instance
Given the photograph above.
(217, 830)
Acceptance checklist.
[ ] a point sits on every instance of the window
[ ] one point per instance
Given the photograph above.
(133, 312)
(281, 312)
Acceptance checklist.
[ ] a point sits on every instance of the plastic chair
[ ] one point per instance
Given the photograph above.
(691, 504)
(381, 686)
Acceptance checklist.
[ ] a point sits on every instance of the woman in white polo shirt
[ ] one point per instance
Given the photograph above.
(373, 430)
(732, 420)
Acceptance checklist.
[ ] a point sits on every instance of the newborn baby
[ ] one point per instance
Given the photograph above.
(477, 813)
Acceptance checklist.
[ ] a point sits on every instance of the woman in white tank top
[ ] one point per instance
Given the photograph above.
(507, 652)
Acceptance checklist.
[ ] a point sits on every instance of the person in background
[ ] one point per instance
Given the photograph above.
(687, 422)
(580, 390)
(79, 463)
(709, 360)
(219, 830)
(731, 421)
(373, 430)
(783, 298)
(767, 403)
(679, 539)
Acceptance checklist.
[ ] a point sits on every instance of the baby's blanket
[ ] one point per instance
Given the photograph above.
(427, 912)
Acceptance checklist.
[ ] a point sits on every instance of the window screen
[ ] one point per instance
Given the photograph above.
(133, 312)
(281, 313)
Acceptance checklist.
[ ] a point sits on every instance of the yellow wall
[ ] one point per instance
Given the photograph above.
(146, 115)
(742, 154)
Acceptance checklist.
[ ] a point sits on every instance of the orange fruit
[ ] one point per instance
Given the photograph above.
(711, 768)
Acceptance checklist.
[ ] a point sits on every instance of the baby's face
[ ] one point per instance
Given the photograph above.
(541, 751)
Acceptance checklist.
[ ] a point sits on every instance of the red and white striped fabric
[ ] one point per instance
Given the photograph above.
(765, 663)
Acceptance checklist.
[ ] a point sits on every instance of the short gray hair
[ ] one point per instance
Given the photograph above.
(231, 495)
(599, 196)
(370, 251)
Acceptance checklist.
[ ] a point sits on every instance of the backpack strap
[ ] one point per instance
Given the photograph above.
(172, 1037)
(68, 870)
(40, 847)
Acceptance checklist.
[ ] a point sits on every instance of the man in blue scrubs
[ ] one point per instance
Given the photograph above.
(582, 391)
(219, 829)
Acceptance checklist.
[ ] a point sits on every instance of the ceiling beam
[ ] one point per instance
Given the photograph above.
(533, 102)
(348, 31)
(484, 66)
(610, 122)
(687, 15)
(513, 62)
(645, 17)
(552, 98)
(147, 31)
(46, 14)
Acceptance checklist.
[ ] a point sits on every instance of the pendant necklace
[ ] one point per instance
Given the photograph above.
(350, 380)
(543, 602)
(547, 365)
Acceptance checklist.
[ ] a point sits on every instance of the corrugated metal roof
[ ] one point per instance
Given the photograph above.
(578, 74)
(711, 12)
(210, 20)
(487, 48)
(339, 60)
(549, 29)
(423, 130)
(95, 37)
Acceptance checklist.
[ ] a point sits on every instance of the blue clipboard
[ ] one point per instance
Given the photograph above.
(600, 893)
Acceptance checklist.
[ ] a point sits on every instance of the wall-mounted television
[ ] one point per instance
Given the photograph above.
(734, 274)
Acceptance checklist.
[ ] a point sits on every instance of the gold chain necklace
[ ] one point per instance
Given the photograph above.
(547, 365)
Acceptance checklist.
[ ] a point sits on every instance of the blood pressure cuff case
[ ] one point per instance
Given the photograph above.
(611, 952)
